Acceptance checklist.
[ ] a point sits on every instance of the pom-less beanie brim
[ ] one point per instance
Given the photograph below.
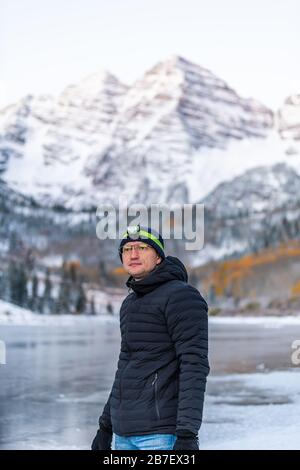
(146, 235)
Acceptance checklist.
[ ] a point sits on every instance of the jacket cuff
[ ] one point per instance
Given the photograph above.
(185, 433)
(105, 426)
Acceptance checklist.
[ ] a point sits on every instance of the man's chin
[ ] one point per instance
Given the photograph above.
(136, 272)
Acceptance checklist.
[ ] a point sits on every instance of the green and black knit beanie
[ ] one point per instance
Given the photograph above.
(146, 235)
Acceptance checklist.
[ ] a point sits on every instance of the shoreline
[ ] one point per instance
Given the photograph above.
(13, 315)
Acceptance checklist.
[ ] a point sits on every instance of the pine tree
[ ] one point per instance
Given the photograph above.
(29, 260)
(63, 304)
(48, 304)
(12, 277)
(4, 285)
(13, 242)
(92, 306)
(1, 286)
(18, 284)
(109, 309)
(33, 301)
(22, 286)
(81, 299)
(64, 296)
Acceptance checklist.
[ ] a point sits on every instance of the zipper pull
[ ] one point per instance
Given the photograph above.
(155, 379)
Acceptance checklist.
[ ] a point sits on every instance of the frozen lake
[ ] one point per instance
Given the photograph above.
(57, 379)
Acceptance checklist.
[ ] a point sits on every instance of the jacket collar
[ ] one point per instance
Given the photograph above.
(169, 269)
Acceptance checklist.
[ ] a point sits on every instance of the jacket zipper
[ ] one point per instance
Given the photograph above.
(156, 394)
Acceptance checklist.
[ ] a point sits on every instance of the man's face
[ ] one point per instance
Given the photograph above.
(139, 259)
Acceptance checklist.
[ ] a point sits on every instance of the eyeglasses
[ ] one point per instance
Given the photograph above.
(126, 250)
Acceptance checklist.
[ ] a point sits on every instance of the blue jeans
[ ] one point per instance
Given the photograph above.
(146, 442)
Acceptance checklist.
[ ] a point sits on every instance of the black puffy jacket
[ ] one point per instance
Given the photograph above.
(161, 376)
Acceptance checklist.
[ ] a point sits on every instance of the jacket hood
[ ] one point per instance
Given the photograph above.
(169, 269)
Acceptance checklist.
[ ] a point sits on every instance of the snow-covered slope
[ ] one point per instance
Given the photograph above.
(257, 190)
(252, 211)
(289, 118)
(45, 143)
(171, 121)
(11, 314)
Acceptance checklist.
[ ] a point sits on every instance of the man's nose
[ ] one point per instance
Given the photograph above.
(134, 253)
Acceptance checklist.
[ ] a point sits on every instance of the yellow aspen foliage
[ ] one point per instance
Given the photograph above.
(119, 271)
(230, 273)
(296, 289)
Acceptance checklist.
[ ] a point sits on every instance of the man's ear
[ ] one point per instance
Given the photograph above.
(158, 260)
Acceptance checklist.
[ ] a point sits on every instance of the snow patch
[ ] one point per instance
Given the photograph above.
(13, 315)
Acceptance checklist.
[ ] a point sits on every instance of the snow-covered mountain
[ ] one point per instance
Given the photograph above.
(255, 191)
(172, 136)
(179, 134)
(45, 142)
(169, 121)
(255, 210)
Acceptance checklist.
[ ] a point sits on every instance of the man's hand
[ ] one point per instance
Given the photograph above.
(103, 438)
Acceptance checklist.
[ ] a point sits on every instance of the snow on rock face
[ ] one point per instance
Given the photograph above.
(289, 118)
(169, 118)
(257, 190)
(177, 95)
(256, 209)
(172, 136)
(91, 105)
(221, 113)
(45, 142)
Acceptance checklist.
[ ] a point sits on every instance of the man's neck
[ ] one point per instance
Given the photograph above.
(143, 277)
(147, 274)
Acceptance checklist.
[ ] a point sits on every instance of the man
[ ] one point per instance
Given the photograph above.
(156, 400)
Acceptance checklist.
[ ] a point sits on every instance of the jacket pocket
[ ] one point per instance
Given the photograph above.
(155, 386)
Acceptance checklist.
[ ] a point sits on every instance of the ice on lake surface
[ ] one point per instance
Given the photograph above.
(57, 379)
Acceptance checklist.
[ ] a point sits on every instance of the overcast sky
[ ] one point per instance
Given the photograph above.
(48, 44)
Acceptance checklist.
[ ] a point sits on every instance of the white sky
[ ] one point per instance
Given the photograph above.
(48, 44)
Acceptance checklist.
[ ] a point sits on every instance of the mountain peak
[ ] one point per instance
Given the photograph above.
(93, 85)
(179, 61)
(176, 64)
(96, 131)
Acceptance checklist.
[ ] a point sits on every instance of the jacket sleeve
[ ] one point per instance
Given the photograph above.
(187, 321)
(105, 419)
